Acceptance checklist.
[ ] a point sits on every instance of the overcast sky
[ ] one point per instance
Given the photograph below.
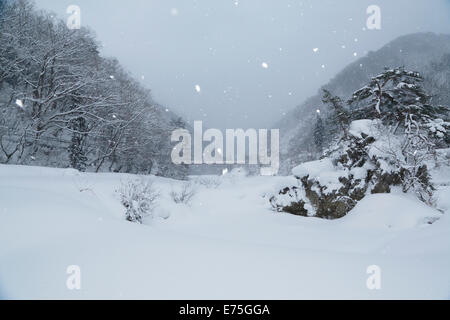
(252, 60)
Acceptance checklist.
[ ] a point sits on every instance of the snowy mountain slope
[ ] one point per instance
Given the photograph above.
(227, 244)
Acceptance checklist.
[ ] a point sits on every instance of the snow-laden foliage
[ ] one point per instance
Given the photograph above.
(63, 105)
(398, 99)
(139, 197)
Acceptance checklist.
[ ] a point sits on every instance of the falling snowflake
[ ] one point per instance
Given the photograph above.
(198, 89)
(265, 65)
(174, 12)
(20, 103)
(316, 49)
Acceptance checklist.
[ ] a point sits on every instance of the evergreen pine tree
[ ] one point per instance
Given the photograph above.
(339, 114)
(319, 133)
(398, 99)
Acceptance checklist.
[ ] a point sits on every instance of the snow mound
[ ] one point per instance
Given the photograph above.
(71, 172)
(360, 127)
(390, 211)
(314, 169)
(322, 171)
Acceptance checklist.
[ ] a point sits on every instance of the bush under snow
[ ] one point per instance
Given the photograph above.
(184, 194)
(139, 198)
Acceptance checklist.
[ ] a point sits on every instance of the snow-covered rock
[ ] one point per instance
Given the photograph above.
(364, 162)
(321, 171)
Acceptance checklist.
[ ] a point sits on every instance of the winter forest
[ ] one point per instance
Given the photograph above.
(63, 105)
(104, 174)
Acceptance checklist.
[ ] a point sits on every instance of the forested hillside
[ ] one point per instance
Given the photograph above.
(64, 105)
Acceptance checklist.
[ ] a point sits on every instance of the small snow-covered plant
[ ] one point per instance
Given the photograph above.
(139, 198)
(185, 194)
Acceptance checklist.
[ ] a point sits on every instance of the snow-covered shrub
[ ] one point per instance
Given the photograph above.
(403, 160)
(139, 197)
(292, 200)
(183, 195)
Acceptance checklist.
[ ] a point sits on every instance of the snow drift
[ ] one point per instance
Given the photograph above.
(226, 244)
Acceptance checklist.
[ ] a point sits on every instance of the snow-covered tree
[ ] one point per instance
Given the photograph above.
(396, 97)
(319, 132)
(339, 115)
(77, 156)
(413, 126)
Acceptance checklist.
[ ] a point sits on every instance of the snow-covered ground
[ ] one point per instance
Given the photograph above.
(227, 244)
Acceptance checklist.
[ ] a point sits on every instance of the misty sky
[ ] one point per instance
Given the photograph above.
(221, 46)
